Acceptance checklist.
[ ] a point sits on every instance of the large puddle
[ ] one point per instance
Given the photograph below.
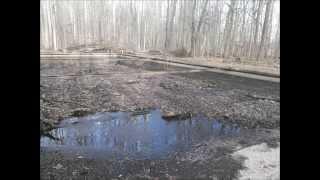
(125, 135)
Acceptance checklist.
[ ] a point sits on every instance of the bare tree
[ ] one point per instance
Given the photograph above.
(169, 24)
(264, 28)
(228, 28)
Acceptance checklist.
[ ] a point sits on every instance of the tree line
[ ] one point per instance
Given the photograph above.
(219, 28)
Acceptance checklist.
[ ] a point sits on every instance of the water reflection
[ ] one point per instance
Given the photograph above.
(146, 135)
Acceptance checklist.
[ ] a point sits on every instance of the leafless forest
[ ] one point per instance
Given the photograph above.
(216, 28)
(160, 89)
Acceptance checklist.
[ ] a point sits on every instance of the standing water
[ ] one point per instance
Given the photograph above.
(123, 134)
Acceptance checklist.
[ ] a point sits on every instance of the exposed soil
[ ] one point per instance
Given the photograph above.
(81, 87)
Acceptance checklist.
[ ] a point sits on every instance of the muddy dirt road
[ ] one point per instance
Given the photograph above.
(77, 91)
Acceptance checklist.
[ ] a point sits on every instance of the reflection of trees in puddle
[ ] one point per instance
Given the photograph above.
(147, 133)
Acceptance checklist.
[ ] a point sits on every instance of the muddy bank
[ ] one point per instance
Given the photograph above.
(76, 88)
(138, 146)
(125, 88)
(223, 168)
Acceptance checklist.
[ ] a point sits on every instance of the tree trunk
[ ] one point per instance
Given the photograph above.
(169, 26)
(228, 29)
(192, 49)
(264, 29)
(257, 24)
